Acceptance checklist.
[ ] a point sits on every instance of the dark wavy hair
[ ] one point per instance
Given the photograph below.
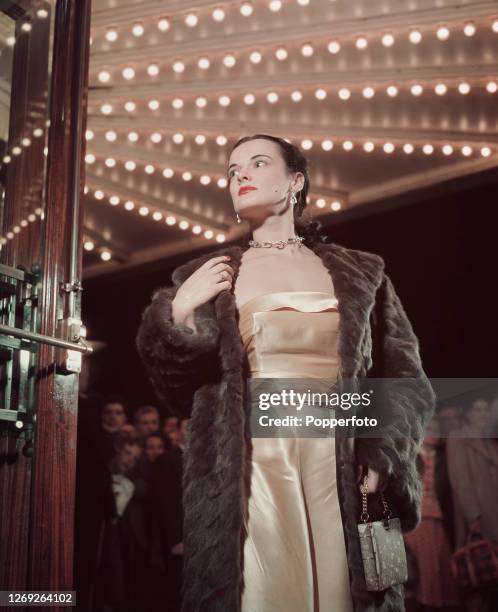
(295, 161)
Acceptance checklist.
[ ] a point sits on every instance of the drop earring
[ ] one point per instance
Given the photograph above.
(239, 220)
(293, 199)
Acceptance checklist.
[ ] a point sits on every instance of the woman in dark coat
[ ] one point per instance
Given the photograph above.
(195, 349)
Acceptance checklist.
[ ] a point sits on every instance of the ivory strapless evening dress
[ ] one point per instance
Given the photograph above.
(294, 549)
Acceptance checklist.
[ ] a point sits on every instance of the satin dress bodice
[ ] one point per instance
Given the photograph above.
(294, 551)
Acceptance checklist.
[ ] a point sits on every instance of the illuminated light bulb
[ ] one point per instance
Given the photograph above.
(334, 47)
(440, 89)
(143, 210)
(129, 205)
(157, 216)
(368, 147)
(275, 5)
(104, 76)
(466, 150)
(272, 97)
(152, 70)
(110, 162)
(303, 2)
(347, 145)
(23, 223)
(163, 24)
(128, 73)
(31, 218)
(491, 87)
(415, 36)
(296, 96)
(361, 43)
(447, 149)
(85, 189)
(494, 25)
(137, 30)
(26, 27)
(218, 14)
(111, 35)
(170, 220)
(130, 165)
(344, 94)
(133, 136)
(443, 33)
(224, 100)
(99, 195)
(222, 183)
(187, 176)
(485, 151)
(307, 50)
(168, 173)
(208, 234)
(428, 149)
(408, 148)
(114, 200)
(221, 140)
(197, 229)
(106, 109)
(10, 41)
(320, 94)
(156, 137)
(88, 245)
(177, 103)
(178, 138)
(38, 211)
(306, 144)
(416, 89)
(464, 88)
(246, 9)
(336, 205)
(368, 92)
(327, 145)
(388, 40)
(9, 235)
(183, 224)
(204, 63)
(130, 106)
(7, 159)
(16, 229)
(388, 147)
(26, 142)
(153, 104)
(255, 57)
(37, 132)
(111, 136)
(200, 139)
(191, 20)
(281, 53)
(149, 169)
(229, 61)
(205, 179)
(469, 29)
(220, 237)
(178, 66)
(320, 202)
(90, 158)
(105, 255)
(392, 91)
(42, 13)
(201, 102)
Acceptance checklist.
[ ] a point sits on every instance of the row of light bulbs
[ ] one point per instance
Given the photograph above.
(218, 14)
(26, 26)
(17, 149)
(16, 229)
(343, 93)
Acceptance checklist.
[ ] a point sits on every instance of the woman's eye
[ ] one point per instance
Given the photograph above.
(260, 161)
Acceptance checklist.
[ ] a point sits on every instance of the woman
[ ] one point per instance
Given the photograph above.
(473, 470)
(200, 344)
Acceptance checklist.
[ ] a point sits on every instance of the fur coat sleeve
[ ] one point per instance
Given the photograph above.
(407, 406)
(174, 356)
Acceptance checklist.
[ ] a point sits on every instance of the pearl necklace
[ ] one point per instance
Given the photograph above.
(279, 244)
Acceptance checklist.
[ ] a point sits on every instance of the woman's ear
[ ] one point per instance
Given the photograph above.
(298, 182)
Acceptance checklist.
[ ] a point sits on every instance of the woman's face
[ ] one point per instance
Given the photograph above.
(258, 177)
(479, 415)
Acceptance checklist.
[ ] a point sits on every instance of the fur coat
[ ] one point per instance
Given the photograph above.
(201, 375)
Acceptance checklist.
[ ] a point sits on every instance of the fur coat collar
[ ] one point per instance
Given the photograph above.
(201, 376)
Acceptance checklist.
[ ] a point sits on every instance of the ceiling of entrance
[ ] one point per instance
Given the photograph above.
(384, 96)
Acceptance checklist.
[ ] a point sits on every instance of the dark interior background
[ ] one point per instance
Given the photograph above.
(440, 249)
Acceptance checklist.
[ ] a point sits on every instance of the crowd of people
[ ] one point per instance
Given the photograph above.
(128, 553)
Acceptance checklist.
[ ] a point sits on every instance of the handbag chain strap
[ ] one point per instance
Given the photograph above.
(364, 514)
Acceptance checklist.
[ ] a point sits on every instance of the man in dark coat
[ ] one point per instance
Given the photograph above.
(201, 375)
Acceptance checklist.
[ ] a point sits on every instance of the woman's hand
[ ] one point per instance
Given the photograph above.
(206, 282)
(375, 482)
